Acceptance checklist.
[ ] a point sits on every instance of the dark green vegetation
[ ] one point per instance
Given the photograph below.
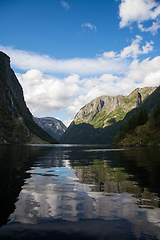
(16, 121)
(100, 120)
(141, 130)
(128, 127)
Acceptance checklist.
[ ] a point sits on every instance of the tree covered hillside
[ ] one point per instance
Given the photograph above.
(141, 129)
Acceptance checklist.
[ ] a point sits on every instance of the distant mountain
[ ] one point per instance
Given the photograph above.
(52, 126)
(16, 122)
(100, 120)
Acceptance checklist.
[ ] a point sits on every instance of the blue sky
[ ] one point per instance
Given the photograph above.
(66, 53)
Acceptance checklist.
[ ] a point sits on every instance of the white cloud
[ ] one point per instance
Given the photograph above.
(72, 79)
(45, 94)
(65, 5)
(32, 75)
(110, 62)
(110, 73)
(67, 122)
(139, 11)
(110, 54)
(153, 29)
(134, 49)
(83, 66)
(140, 74)
(92, 27)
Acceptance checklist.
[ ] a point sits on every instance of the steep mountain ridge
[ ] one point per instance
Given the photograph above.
(103, 103)
(52, 126)
(15, 88)
(99, 111)
(99, 120)
(16, 122)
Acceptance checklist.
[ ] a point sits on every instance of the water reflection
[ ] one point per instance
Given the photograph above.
(115, 192)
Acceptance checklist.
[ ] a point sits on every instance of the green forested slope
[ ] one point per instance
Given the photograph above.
(140, 130)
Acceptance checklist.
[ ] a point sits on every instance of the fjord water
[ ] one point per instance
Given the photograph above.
(79, 192)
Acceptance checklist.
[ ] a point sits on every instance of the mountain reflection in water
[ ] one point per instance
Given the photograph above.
(71, 191)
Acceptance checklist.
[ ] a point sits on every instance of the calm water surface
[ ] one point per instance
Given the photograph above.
(79, 192)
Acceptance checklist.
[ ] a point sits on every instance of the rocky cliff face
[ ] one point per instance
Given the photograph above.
(103, 103)
(51, 125)
(15, 88)
(101, 108)
(16, 122)
(100, 119)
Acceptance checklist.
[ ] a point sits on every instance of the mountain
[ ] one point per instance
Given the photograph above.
(100, 120)
(141, 129)
(16, 121)
(52, 126)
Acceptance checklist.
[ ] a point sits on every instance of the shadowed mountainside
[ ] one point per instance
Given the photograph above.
(16, 121)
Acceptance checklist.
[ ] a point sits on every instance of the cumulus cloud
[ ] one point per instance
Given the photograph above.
(45, 94)
(140, 74)
(110, 73)
(139, 11)
(92, 27)
(65, 5)
(145, 73)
